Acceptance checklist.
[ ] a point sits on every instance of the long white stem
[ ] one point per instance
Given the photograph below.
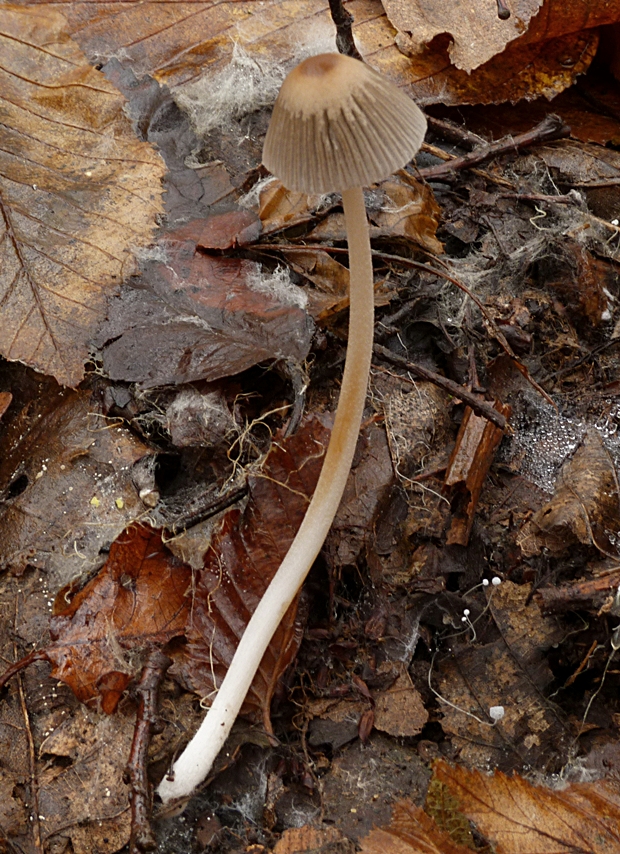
(194, 764)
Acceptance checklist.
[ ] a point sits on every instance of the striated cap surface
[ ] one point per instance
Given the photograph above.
(338, 124)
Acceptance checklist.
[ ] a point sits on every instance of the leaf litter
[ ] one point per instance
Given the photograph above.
(78, 193)
(406, 633)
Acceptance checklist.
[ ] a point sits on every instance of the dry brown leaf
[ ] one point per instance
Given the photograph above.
(400, 711)
(476, 36)
(178, 44)
(77, 192)
(411, 831)
(280, 208)
(313, 840)
(520, 818)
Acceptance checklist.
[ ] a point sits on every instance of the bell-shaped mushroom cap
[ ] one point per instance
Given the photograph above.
(338, 124)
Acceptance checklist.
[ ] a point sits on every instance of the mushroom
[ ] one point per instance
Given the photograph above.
(336, 125)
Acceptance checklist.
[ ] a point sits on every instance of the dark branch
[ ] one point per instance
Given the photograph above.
(551, 127)
(147, 720)
(344, 29)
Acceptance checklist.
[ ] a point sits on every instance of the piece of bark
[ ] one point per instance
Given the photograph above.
(467, 469)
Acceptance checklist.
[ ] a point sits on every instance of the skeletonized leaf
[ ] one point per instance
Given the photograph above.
(77, 192)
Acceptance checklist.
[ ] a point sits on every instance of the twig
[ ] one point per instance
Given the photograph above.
(454, 133)
(452, 158)
(480, 407)
(35, 655)
(32, 756)
(427, 268)
(608, 182)
(203, 508)
(147, 720)
(540, 197)
(344, 32)
(551, 127)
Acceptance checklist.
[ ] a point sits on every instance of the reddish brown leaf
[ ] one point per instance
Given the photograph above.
(139, 598)
(243, 557)
(224, 231)
(520, 818)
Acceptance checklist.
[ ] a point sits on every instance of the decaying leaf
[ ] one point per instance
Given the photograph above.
(66, 483)
(411, 831)
(512, 672)
(200, 316)
(77, 192)
(244, 555)
(313, 840)
(399, 209)
(474, 37)
(368, 486)
(330, 278)
(280, 208)
(73, 746)
(556, 46)
(400, 711)
(139, 598)
(585, 507)
(520, 818)
(224, 231)
(86, 747)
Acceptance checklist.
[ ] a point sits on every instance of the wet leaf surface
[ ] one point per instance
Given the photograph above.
(197, 316)
(78, 191)
(139, 598)
(66, 481)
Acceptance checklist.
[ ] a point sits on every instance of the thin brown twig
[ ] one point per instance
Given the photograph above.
(480, 407)
(552, 127)
(32, 756)
(427, 268)
(454, 133)
(451, 158)
(147, 719)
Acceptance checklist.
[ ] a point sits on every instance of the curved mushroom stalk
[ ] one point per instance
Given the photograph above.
(337, 124)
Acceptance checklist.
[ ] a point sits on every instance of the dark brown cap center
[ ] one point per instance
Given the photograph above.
(317, 66)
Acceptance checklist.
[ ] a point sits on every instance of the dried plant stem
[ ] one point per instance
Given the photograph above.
(192, 767)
